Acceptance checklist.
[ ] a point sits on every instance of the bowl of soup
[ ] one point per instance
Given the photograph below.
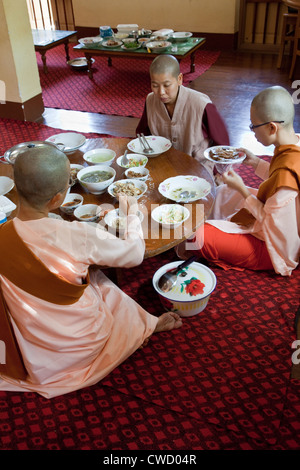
(71, 202)
(99, 157)
(97, 178)
(88, 212)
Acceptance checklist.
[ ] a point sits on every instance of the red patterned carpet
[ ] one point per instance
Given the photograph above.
(221, 382)
(120, 89)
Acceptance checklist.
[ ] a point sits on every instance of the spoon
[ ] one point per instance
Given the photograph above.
(187, 195)
(145, 144)
(125, 161)
(168, 280)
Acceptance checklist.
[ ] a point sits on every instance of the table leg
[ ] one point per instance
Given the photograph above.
(43, 55)
(109, 62)
(192, 62)
(67, 50)
(89, 65)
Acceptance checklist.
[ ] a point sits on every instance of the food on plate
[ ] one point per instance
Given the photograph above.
(112, 42)
(127, 188)
(172, 215)
(96, 176)
(131, 45)
(223, 153)
(135, 162)
(134, 174)
(175, 194)
(74, 172)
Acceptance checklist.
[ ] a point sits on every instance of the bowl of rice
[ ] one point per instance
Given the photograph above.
(170, 215)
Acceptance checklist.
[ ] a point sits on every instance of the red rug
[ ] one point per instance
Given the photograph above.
(120, 89)
(221, 382)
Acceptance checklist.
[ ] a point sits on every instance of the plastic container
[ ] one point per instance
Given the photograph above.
(106, 31)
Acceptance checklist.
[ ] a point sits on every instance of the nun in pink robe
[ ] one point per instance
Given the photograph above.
(66, 348)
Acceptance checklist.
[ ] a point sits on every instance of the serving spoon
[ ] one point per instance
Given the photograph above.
(168, 280)
(125, 160)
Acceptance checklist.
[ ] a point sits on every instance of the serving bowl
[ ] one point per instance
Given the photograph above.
(117, 223)
(135, 160)
(140, 173)
(143, 41)
(158, 46)
(170, 215)
(99, 156)
(180, 36)
(90, 182)
(91, 41)
(87, 212)
(129, 187)
(71, 202)
(192, 291)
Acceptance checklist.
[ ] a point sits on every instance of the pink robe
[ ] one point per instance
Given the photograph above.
(66, 348)
(277, 221)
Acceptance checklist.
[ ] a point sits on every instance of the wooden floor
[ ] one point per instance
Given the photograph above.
(231, 83)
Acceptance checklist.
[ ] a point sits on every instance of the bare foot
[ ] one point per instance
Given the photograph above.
(168, 321)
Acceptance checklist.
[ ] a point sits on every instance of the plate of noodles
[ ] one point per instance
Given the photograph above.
(224, 154)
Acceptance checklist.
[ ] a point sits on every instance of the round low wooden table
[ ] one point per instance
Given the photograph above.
(168, 164)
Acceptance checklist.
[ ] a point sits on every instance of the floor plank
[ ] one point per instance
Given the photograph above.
(231, 83)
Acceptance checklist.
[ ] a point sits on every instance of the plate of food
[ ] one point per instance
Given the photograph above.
(194, 186)
(129, 187)
(112, 43)
(158, 144)
(224, 154)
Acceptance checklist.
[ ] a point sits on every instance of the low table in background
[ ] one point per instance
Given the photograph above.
(44, 40)
(178, 50)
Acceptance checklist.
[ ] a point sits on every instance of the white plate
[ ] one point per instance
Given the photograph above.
(71, 140)
(90, 41)
(115, 45)
(6, 185)
(211, 151)
(158, 46)
(172, 187)
(159, 145)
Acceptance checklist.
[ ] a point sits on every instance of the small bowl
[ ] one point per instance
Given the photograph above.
(71, 202)
(140, 185)
(87, 212)
(96, 187)
(143, 41)
(191, 293)
(117, 223)
(137, 173)
(99, 157)
(74, 170)
(135, 160)
(170, 215)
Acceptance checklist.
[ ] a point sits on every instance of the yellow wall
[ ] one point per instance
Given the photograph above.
(210, 16)
(18, 65)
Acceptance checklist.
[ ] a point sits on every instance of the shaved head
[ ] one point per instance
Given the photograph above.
(165, 64)
(40, 174)
(274, 104)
